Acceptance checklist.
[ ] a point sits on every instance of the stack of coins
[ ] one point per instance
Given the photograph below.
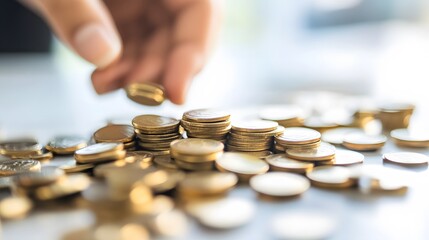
(116, 133)
(253, 136)
(395, 115)
(297, 138)
(20, 148)
(206, 124)
(196, 154)
(100, 152)
(149, 94)
(286, 116)
(155, 133)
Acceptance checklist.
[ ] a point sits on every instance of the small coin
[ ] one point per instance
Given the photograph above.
(254, 126)
(223, 213)
(406, 138)
(244, 165)
(279, 184)
(331, 177)
(206, 115)
(154, 123)
(15, 207)
(115, 133)
(20, 147)
(346, 158)
(66, 144)
(99, 148)
(336, 135)
(324, 152)
(150, 94)
(406, 158)
(298, 135)
(47, 175)
(194, 146)
(12, 167)
(364, 142)
(207, 183)
(280, 162)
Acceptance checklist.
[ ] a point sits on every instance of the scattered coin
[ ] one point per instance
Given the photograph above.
(364, 142)
(150, 94)
(331, 177)
(279, 184)
(346, 158)
(336, 136)
(406, 158)
(207, 183)
(100, 152)
(244, 165)
(115, 133)
(280, 162)
(405, 138)
(324, 152)
(64, 187)
(20, 148)
(66, 144)
(13, 167)
(45, 176)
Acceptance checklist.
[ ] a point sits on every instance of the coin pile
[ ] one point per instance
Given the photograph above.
(286, 115)
(206, 124)
(116, 133)
(297, 138)
(196, 154)
(155, 133)
(395, 115)
(150, 94)
(253, 137)
(20, 148)
(100, 152)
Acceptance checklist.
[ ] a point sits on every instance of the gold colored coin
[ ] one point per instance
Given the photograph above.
(114, 133)
(346, 158)
(20, 147)
(406, 138)
(258, 126)
(47, 175)
(280, 162)
(155, 124)
(42, 157)
(149, 94)
(206, 115)
(207, 183)
(298, 135)
(244, 165)
(64, 187)
(139, 156)
(99, 148)
(324, 152)
(194, 146)
(15, 207)
(197, 159)
(190, 124)
(12, 167)
(66, 144)
(406, 158)
(279, 184)
(364, 142)
(74, 167)
(102, 157)
(201, 166)
(331, 177)
(336, 136)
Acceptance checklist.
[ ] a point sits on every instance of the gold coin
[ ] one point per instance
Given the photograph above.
(73, 167)
(224, 213)
(406, 138)
(157, 145)
(194, 146)
(165, 161)
(331, 177)
(155, 124)
(258, 126)
(255, 135)
(42, 157)
(346, 158)
(406, 158)
(324, 152)
(160, 153)
(279, 184)
(298, 135)
(114, 133)
(66, 144)
(190, 124)
(47, 175)
(280, 162)
(364, 142)
(12, 167)
(149, 94)
(66, 186)
(336, 136)
(201, 166)
(102, 157)
(196, 159)
(20, 147)
(207, 183)
(99, 148)
(244, 165)
(15, 207)
(206, 115)
(250, 148)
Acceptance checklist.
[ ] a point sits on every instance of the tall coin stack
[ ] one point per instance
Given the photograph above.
(196, 154)
(155, 133)
(206, 124)
(116, 133)
(253, 136)
(297, 138)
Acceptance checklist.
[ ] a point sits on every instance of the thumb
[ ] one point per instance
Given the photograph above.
(84, 25)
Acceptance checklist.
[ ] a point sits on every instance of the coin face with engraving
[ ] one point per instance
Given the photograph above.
(12, 167)
(155, 122)
(279, 184)
(66, 144)
(115, 133)
(196, 146)
(206, 115)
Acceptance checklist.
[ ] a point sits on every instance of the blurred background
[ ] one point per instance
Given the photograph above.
(267, 52)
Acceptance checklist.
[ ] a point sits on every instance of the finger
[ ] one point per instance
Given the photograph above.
(111, 78)
(194, 30)
(85, 26)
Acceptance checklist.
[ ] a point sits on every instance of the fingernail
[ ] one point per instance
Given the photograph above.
(94, 43)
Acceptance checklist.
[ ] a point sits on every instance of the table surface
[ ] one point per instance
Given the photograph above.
(38, 97)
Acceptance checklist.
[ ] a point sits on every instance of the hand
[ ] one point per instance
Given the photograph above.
(163, 41)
